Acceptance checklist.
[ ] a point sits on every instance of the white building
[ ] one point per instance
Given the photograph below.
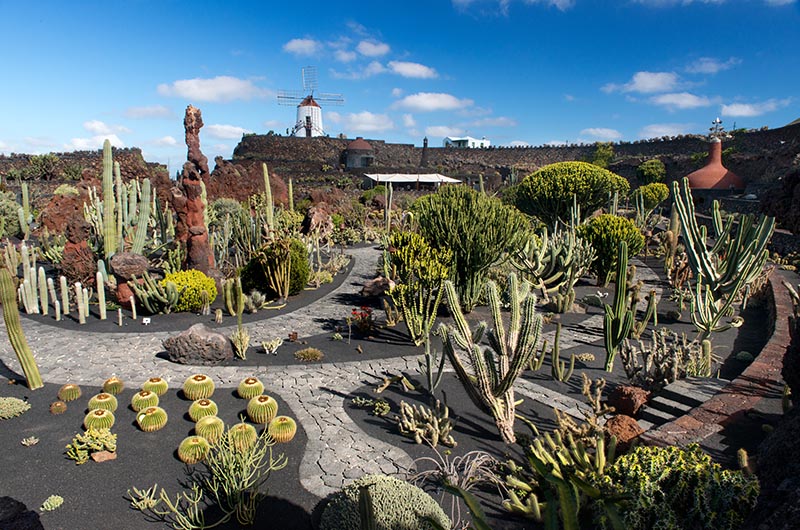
(309, 119)
(466, 141)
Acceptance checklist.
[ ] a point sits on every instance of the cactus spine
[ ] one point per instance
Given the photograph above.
(489, 379)
(15, 333)
(618, 319)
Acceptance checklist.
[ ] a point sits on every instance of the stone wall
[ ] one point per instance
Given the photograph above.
(132, 163)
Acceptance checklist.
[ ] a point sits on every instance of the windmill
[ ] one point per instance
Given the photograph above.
(309, 112)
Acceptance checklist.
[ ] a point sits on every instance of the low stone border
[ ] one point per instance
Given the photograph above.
(758, 381)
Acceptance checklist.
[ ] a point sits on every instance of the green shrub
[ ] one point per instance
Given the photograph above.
(673, 488)
(193, 282)
(253, 276)
(9, 218)
(368, 195)
(603, 154)
(651, 171)
(653, 194)
(223, 207)
(477, 229)
(547, 193)
(301, 268)
(397, 505)
(604, 233)
(66, 190)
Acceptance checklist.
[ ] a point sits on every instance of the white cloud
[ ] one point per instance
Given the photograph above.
(503, 5)
(273, 124)
(443, 130)
(555, 143)
(670, 3)
(778, 3)
(371, 48)
(39, 142)
(397, 92)
(415, 70)
(409, 121)
(562, 5)
(373, 68)
(225, 132)
(602, 133)
(432, 101)
(221, 88)
(710, 65)
(499, 121)
(569, 97)
(657, 130)
(303, 47)
(220, 147)
(344, 56)
(98, 127)
(95, 142)
(152, 111)
(519, 143)
(362, 121)
(166, 141)
(749, 110)
(646, 83)
(681, 100)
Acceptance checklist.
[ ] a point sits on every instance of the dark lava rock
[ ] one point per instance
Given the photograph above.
(198, 345)
(127, 264)
(14, 515)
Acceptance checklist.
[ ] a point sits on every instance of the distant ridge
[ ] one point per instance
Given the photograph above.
(795, 122)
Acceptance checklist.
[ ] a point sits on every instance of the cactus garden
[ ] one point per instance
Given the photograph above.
(581, 353)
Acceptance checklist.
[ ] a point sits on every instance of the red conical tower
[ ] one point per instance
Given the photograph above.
(714, 175)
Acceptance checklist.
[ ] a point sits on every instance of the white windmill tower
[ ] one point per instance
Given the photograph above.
(309, 111)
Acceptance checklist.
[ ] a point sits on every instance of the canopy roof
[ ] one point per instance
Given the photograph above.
(429, 178)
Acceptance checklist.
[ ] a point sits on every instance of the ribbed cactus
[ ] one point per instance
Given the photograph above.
(109, 221)
(488, 374)
(270, 211)
(153, 296)
(143, 219)
(618, 318)
(233, 296)
(8, 297)
(737, 256)
(387, 206)
(291, 195)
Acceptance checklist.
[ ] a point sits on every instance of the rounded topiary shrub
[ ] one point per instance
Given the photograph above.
(397, 505)
(301, 268)
(605, 233)
(191, 284)
(673, 488)
(653, 194)
(547, 193)
(224, 208)
(651, 171)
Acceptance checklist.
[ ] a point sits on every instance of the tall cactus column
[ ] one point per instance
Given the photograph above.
(8, 297)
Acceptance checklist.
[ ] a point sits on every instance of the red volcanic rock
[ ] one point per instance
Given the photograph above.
(125, 266)
(624, 428)
(714, 175)
(628, 399)
(237, 181)
(318, 220)
(186, 198)
(78, 263)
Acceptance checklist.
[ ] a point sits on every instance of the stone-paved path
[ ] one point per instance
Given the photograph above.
(338, 450)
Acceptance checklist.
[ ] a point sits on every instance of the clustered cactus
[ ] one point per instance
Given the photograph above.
(426, 424)
(11, 407)
(91, 441)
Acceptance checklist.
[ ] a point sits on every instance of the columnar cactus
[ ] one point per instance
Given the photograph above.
(618, 318)
(490, 373)
(270, 211)
(143, 219)
(14, 328)
(109, 221)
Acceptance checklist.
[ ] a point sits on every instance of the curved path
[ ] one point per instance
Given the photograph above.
(338, 450)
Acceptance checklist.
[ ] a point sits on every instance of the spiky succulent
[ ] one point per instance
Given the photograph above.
(113, 385)
(282, 429)
(262, 409)
(151, 419)
(11, 407)
(193, 449)
(143, 399)
(69, 392)
(156, 385)
(58, 407)
(103, 400)
(210, 427)
(99, 419)
(53, 502)
(250, 388)
(202, 408)
(243, 436)
(198, 386)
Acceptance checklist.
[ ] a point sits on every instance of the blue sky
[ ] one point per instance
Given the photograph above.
(516, 71)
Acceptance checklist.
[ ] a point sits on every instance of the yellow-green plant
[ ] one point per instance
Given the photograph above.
(605, 233)
(91, 441)
(191, 284)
